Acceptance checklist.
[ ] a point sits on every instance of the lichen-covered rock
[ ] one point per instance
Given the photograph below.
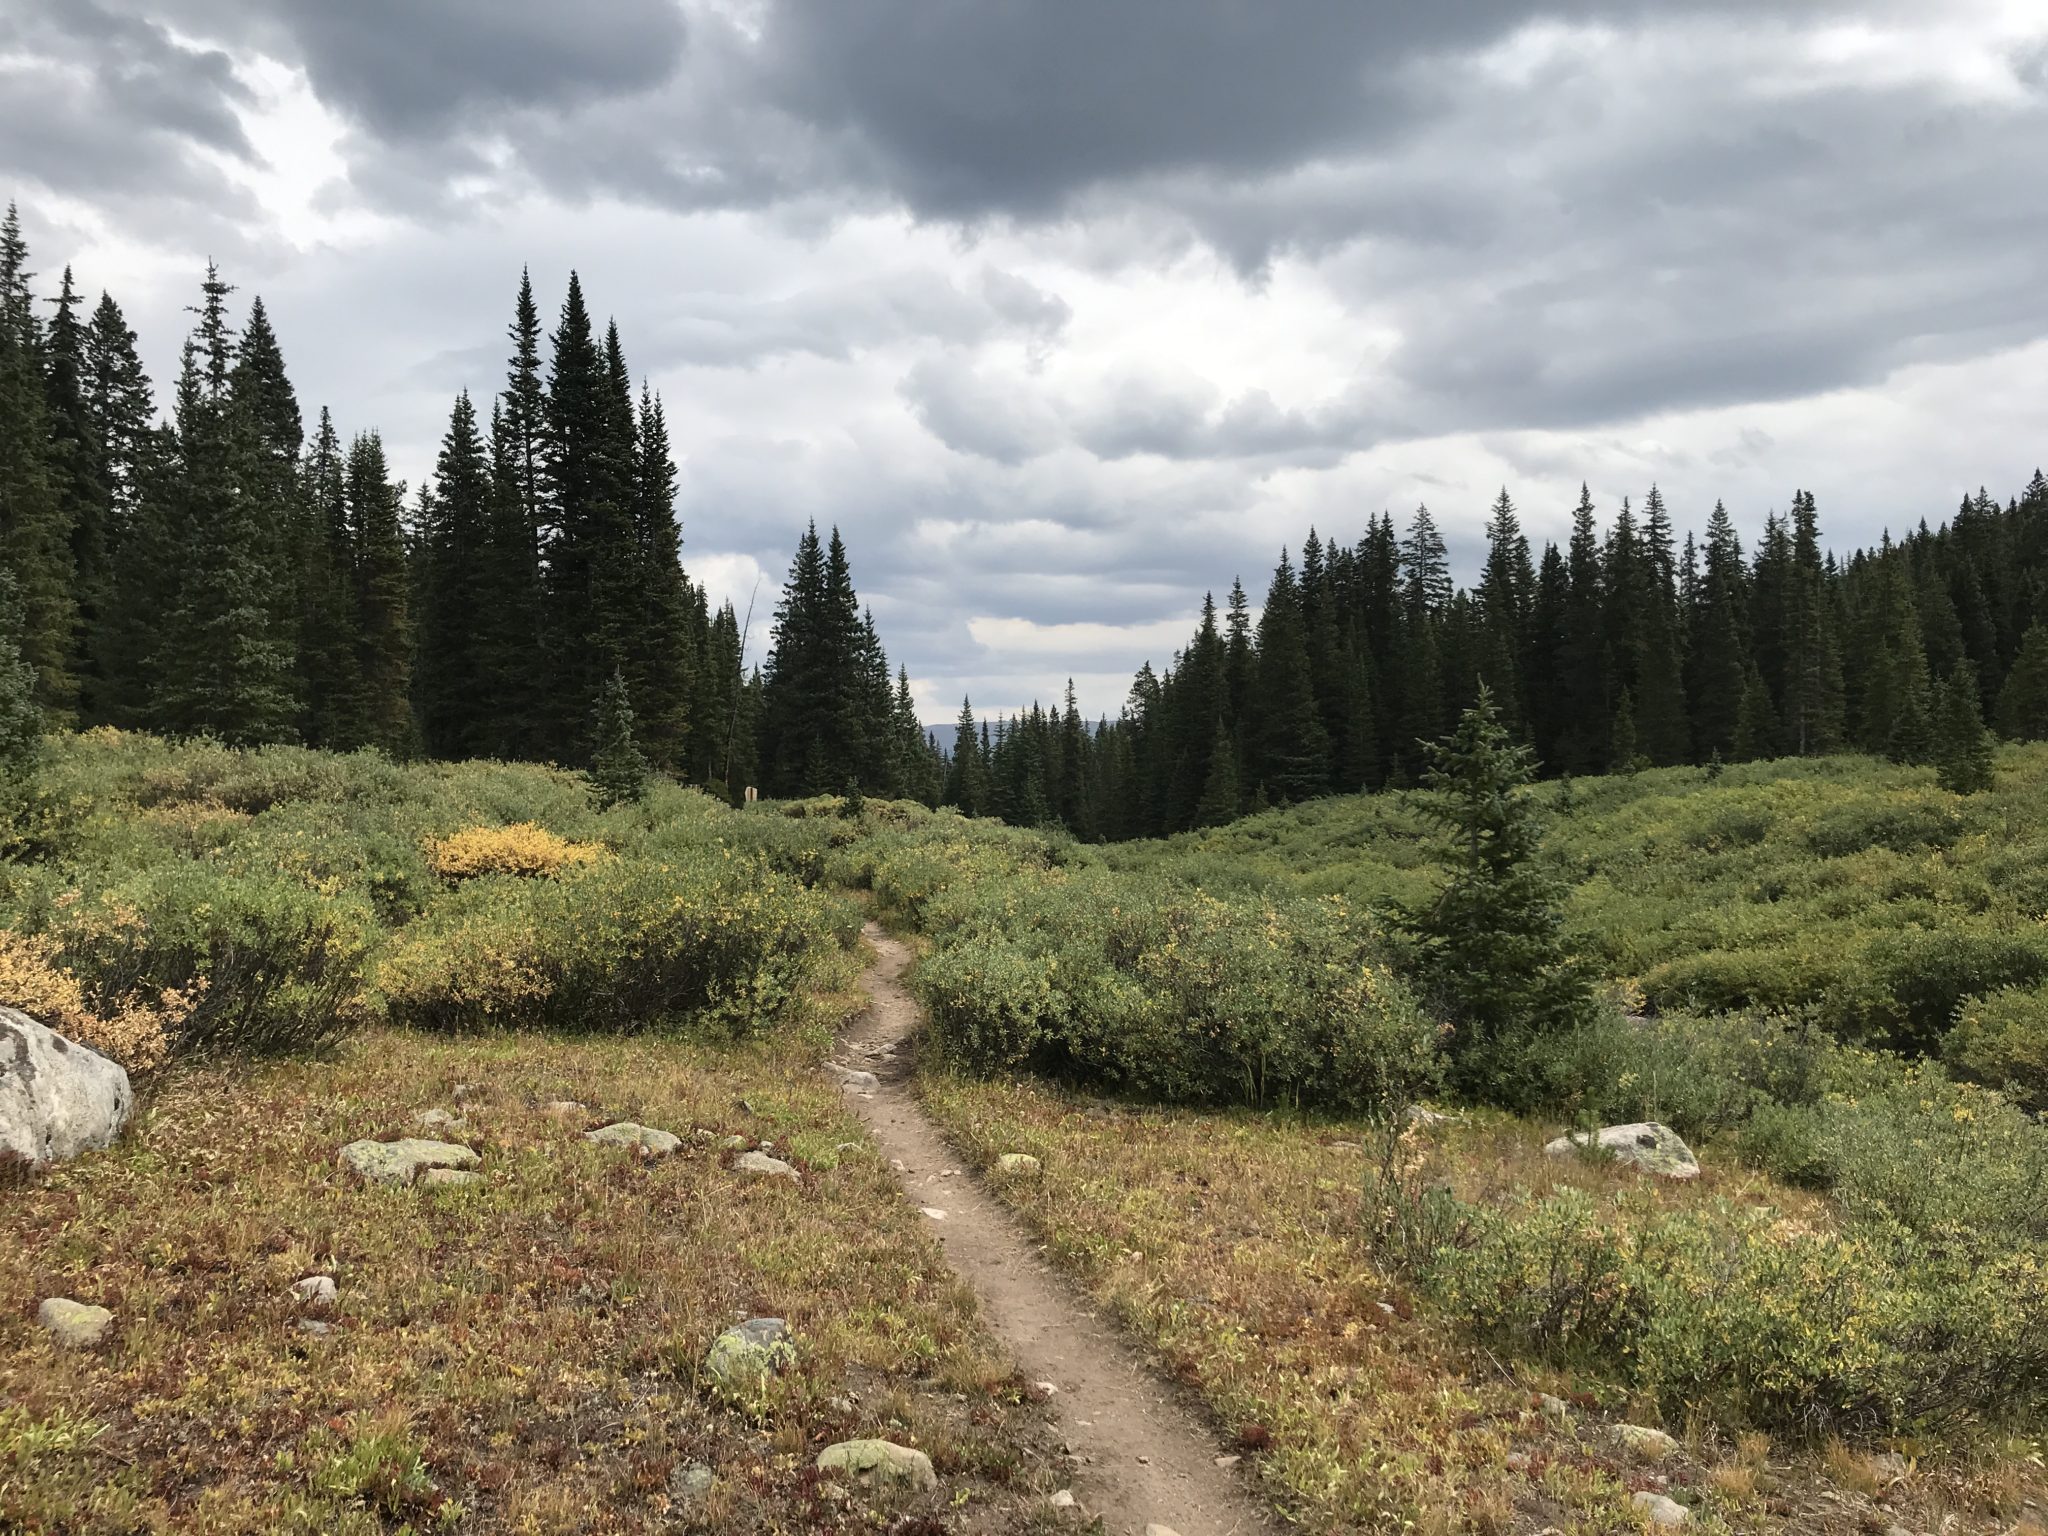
(688, 1484)
(400, 1162)
(772, 1167)
(626, 1134)
(57, 1098)
(73, 1324)
(880, 1462)
(1653, 1147)
(1020, 1164)
(744, 1357)
(1648, 1444)
(1665, 1514)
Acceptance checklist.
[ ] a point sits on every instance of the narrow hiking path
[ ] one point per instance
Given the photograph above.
(1144, 1459)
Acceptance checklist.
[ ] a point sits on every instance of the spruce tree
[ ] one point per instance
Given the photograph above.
(1624, 751)
(1291, 756)
(79, 473)
(21, 719)
(587, 526)
(1719, 660)
(1220, 802)
(512, 664)
(1813, 705)
(2023, 701)
(35, 527)
(1963, 748)
(1506, 586)
(452, 680)
(330, 642)
(1491, 950)
(618, 771)
(118, 413)
(228, 662)
(1585, 727)
(382, 600)
(967, 774)
(660, 649)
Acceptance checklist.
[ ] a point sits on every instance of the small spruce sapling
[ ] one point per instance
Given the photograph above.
(1962, 754)
(1492, 951)
(618, 771)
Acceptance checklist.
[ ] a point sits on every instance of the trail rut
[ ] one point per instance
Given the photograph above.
(1144, 1458)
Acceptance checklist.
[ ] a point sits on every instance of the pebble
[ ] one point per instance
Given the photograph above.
(316, 1290)
(933, 1212)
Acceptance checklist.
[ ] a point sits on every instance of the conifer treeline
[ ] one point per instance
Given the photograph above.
(1625, 647)
(217, 573)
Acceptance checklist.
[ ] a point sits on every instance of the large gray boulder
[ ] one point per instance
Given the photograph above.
(1651, 1146)
(400, 1162)
(57, 1098)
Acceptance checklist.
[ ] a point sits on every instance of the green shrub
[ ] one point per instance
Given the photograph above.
(1902, 824)
(267, 964)
(1923, 976)
(1159, 989)
(2002, 1039)
(1753, 1317)
(622, 945)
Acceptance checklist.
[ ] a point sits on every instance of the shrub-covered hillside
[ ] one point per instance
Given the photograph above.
(164, 897)
(1849, 891)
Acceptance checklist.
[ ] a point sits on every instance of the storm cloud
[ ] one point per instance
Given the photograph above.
(1068, 312)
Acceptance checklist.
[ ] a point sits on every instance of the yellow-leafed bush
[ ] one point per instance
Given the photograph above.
(524, 848)
(136, 1030)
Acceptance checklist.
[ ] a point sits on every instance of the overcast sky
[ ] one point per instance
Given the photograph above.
(1067, 310)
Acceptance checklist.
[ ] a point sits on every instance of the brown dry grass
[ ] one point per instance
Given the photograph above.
(1231, 1241)
(522, 1356)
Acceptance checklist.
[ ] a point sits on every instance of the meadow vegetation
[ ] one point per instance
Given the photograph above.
(1827, 974)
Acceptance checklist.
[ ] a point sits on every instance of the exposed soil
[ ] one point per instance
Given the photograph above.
(1143, 1458)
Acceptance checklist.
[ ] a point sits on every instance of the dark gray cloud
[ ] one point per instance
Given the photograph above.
(874, 252)
(412, 71)
(96, 102)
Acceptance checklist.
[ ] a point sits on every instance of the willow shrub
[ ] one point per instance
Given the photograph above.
(1759, 1319)
(721, 946)
(1159, 989)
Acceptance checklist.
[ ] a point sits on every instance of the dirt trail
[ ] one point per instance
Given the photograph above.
(1145, 1461)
